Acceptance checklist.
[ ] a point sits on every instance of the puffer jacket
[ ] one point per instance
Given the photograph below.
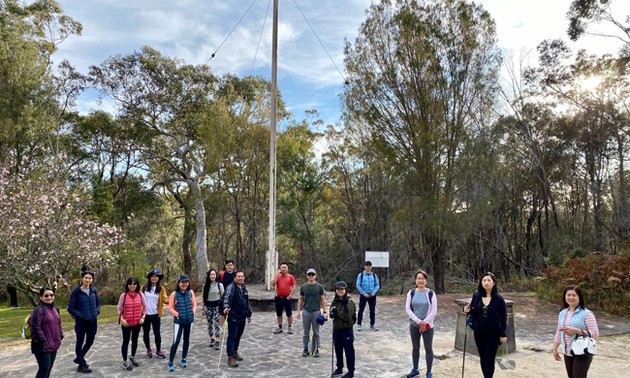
(84, 306)
(46, 332)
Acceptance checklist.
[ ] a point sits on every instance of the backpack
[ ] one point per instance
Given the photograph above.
(363, 275)
(27, 332)
(221, 276)
(412, 292)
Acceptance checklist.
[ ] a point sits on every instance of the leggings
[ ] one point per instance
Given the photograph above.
(487, 345)
(213, 316)
(178, 330)
(427, 337)
(155, 321)
(577, 366)
(130, 333)
(86, 332)
(45, 361)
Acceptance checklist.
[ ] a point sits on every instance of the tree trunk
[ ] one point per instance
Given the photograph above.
(200, 218)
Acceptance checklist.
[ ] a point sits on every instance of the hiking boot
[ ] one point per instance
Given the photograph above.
(238, 357)
(305, 352)
(81, 363)
(348, 375)
(373, 327)
(232, 362)
(84, 369)
(132, 359)
(316, 353)
(337, 373)
(359, 328)
(413, 373)
(149, 353)
(160, 354)
(290, 330)
(170, 367)
(183, 363)
(277, 331)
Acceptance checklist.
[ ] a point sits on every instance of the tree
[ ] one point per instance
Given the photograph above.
(46, 235)
(422, 74)
(174, 104)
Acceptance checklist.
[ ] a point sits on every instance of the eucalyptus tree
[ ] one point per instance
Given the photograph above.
(422, 74)
(30, 99)
(174, 105)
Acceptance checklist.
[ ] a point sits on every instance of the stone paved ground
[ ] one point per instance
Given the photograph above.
(385, 353)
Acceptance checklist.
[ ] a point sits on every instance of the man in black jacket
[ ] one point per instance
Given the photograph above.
(236, 307)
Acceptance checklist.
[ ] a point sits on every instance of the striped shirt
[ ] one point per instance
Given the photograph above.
(590, 324)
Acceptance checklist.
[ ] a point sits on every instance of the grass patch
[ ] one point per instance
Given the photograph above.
(12, 319)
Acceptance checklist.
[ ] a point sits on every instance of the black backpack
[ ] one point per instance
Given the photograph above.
(412, 292)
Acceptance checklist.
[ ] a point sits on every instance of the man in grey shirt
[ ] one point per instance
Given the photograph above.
(312, 299)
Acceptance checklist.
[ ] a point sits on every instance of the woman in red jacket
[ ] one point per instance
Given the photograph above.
(46, 334)
(131, 312)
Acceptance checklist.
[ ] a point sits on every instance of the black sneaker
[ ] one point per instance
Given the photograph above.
(348, 375)
(127, 365)
(316, 353)
(84, 369)
(305, 352)
(337, 373)
(79, 363)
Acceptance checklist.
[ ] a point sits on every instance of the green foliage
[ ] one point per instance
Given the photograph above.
(604, 280)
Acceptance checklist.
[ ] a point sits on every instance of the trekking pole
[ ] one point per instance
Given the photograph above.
(223, 341)
(464, 357)
(332, 350)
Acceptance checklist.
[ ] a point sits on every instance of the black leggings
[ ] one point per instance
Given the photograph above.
(45, 361)
(487, 345)
(152, 320)
(130, 333)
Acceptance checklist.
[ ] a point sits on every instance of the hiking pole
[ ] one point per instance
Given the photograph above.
(464, 357)
(332, 350)
(222, 341)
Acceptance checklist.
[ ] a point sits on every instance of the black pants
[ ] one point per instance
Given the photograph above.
(178, 331)
(155, 321)
(235, 331)
(130, 333)
(487, 345)
(577, 366)
(86, 332)
(45, 361)
(344, 342)
(371, 301)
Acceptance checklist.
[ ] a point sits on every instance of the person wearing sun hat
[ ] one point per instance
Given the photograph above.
(156, 297)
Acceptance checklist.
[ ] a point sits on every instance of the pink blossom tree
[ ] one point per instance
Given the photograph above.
(46, 235)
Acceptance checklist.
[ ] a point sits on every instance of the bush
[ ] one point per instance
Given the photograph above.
(604, 280)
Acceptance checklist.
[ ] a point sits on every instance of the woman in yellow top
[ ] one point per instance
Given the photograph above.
(156, 297)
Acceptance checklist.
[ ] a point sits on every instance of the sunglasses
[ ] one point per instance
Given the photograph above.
(484, 312)
(48, 295)
(310, 274)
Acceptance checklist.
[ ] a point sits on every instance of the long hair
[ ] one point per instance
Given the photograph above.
(577, 290)
(481, 289)
(131, 280)
(206, 286)
(158, 285)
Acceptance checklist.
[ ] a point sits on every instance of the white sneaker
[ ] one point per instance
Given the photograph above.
(373, 327)
(359, 327)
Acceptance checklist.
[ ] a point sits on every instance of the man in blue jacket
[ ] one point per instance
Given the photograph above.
(368, 285)
(238, 310)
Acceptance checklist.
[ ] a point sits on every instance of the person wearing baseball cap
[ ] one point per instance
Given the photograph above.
(183, 305)
(368, 285)
(310, 302)
(343, 313)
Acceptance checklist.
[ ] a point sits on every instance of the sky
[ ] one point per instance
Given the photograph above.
(192, 30)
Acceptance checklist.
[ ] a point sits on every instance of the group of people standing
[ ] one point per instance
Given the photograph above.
(225, 299)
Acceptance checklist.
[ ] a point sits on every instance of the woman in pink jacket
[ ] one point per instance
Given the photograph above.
(421, 308)
(131, 312)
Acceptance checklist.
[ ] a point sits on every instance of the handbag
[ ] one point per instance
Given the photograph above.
(584, 345)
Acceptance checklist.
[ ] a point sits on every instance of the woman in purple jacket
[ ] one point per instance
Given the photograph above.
(46, 334)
